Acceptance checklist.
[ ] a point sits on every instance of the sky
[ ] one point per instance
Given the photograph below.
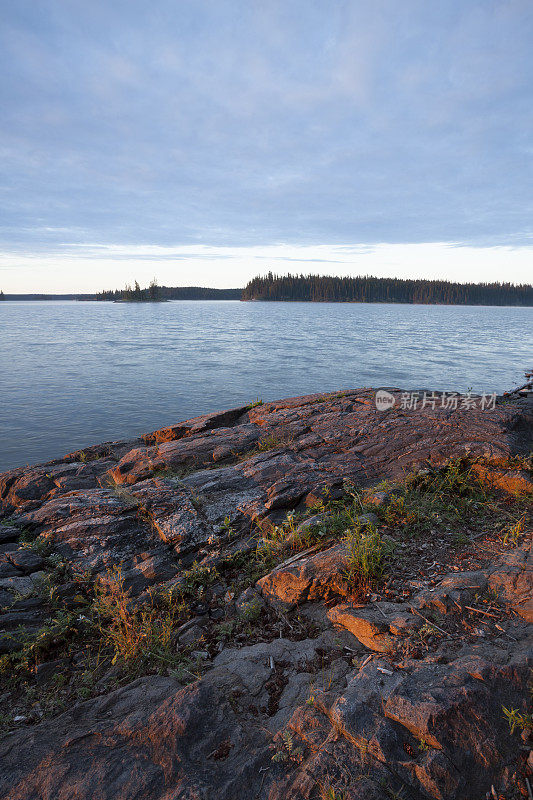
(204, 142)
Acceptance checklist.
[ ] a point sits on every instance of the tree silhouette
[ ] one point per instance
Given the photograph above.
(323, 288)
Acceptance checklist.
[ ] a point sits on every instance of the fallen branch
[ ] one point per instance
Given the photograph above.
(300, 555)
(431, 623)
(479, 611)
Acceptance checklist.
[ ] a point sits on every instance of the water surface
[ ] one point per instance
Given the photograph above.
(74, 374)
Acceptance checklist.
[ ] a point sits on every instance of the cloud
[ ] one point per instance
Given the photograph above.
(242, 124)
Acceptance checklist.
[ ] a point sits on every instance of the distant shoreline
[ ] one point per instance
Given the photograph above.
(144, 300)
(92, 299)
(319, 289)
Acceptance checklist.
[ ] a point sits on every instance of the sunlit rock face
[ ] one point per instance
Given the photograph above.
(335, 690)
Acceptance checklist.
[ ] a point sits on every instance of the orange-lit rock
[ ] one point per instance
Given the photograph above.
(370, 627)
(312, 577)
(512, 481)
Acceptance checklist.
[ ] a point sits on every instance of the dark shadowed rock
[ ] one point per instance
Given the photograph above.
(197, 425)
(455, 588)
(16, 619)
(96, 528)
(457, 709)
(8, 533)
(150, 739)
(512, 580)
(8, 570)
(173, 512)
(25, 560)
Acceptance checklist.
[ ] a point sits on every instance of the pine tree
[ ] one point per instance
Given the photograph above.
(153, 290)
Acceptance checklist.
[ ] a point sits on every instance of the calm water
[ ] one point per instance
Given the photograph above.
(74, 374)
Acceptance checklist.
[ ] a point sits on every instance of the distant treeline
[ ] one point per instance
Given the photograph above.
(129, 294)
(133, 294)
(319, 288)
(158, 293)
(200, 293)
(47, 296)
(323, 288)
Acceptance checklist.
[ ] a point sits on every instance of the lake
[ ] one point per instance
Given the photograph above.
(74, 374)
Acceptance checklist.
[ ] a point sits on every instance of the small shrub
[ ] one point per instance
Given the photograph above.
(444, 496)
(287, 751)
(367, 558)
(460, 538)
(425, 631)
(252, 612)
(512, 533)
(170, 472)
(274, 441)
(227, 528)
(137, 635)
(58, 634)
(197, 576)
(226, 630)
(6, 722)
(327, 792)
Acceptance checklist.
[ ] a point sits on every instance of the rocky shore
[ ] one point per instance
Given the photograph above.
(308, 598)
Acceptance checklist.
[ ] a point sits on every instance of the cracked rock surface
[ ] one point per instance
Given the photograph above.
(397, 695)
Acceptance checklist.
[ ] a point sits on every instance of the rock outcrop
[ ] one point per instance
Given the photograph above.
(404, 692)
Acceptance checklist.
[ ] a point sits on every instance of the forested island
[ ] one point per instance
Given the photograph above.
(134, 294)
(323, 288)
(156, 293)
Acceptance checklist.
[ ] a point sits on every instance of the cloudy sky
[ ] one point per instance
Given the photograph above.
(206, 141)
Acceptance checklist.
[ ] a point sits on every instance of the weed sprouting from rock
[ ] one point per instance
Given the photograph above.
(137, 634)
(328, 792)
(516, 719)
(59, 632)
(511, 533)
(286, 751)
(367, 557)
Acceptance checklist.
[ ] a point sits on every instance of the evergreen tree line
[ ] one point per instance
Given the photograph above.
(199, 293)
(324, 288)
(133, 293)
(155, 293)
